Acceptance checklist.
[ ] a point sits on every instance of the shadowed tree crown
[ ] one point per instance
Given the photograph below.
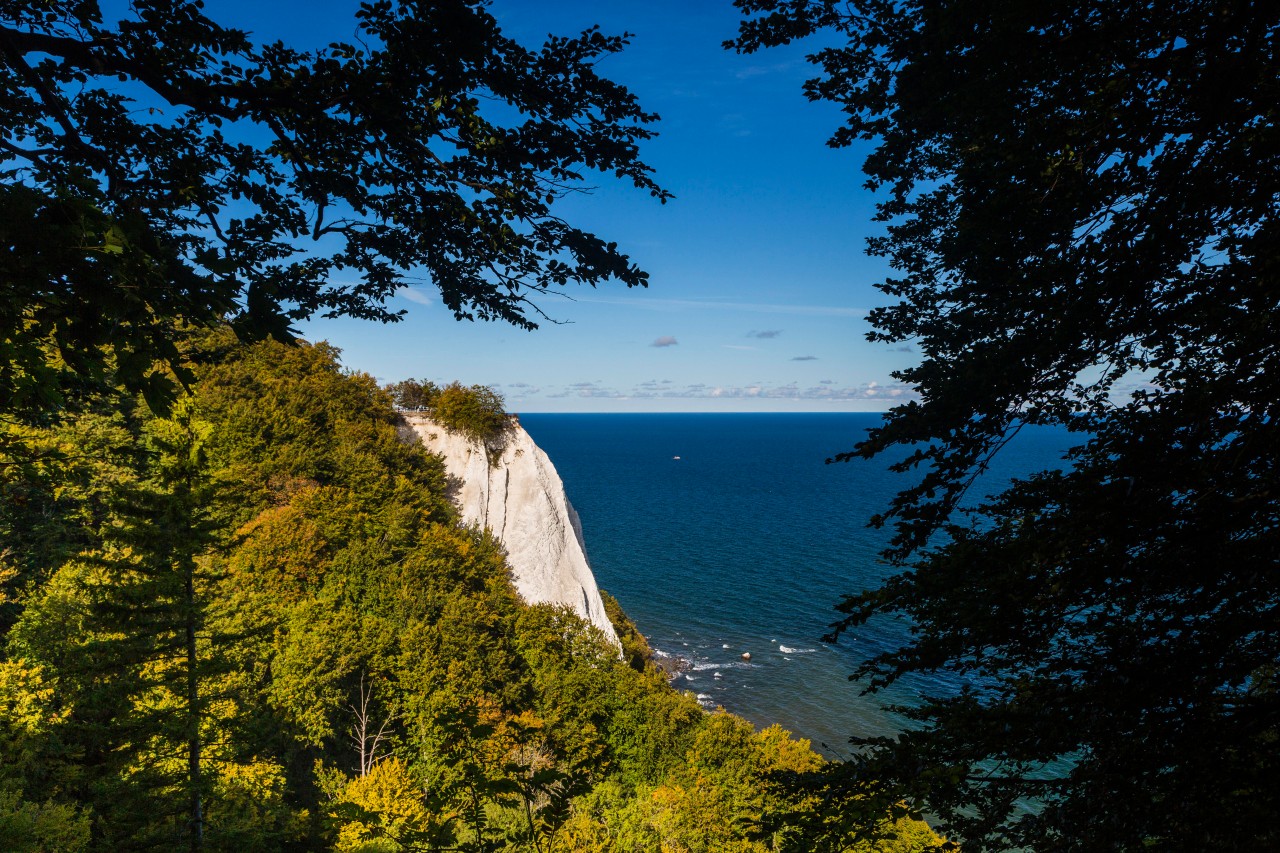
(1080, 212)
(164, 169)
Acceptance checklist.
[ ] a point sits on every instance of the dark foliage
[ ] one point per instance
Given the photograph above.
(1081, 211)
(164, 169)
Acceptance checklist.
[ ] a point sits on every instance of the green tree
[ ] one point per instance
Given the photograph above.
(635, 648)
(163, 169)
(477, 412)
(365, 674)
(30, 718)
(413, 393)
(1081, 214)
(133, 652)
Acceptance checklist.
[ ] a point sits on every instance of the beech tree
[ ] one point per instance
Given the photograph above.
(164, 169)
(1080, 204)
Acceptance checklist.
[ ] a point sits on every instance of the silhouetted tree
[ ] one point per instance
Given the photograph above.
(163, 169)
(1081, 214)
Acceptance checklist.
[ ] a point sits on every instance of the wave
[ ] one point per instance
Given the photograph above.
(737, 664)
(787, 650)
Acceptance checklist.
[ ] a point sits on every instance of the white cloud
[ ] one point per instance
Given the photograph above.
(759, 70)
(413, 294)
(823, 390)
(664, 341)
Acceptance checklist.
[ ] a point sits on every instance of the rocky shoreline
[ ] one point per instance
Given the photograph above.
(670, 665)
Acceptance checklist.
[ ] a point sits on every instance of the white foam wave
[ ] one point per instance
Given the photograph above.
(787, 650)
(737, 664)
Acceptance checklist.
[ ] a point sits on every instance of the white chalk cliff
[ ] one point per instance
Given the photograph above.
(520, 498)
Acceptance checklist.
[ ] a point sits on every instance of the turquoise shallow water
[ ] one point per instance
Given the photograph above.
(744, 544)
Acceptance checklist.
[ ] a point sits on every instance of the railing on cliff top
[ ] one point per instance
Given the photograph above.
(427, 410)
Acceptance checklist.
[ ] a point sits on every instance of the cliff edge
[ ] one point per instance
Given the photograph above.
(520, 498)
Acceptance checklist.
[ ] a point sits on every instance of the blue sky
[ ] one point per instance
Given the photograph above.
(759, 277)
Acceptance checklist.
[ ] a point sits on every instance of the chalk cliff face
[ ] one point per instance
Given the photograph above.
(520, 498)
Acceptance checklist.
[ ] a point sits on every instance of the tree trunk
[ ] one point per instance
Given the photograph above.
(193, 713)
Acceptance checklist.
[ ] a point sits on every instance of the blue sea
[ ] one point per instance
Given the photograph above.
(726, 533)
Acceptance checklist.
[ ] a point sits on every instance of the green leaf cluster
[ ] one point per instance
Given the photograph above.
(413, 393)
(477, 412)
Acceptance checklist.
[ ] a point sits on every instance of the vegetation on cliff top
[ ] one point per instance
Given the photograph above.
(256, 624)
(477, 412)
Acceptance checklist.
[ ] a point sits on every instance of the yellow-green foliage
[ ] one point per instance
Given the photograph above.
(27, 827)
(635, 648)
(383, 810)
(413, 393)
(29, 719)
(477, 412)
(368, 678)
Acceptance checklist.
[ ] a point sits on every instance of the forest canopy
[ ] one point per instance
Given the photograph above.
(255, 623)
(1080, 212)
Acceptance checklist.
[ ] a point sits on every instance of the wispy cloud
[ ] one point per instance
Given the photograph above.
(664, 341)
(825, 390)
(761, 70)
(587, 389)
(413, 294)
(521, 389)
(767, 333)
(805, 358)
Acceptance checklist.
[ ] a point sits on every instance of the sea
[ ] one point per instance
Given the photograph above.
(728, 534)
